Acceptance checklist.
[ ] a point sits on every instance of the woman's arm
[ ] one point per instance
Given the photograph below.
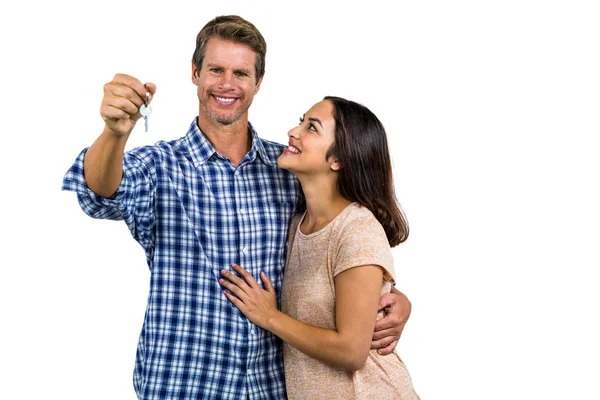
(357, 299)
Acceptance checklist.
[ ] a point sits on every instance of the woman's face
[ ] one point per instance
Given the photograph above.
(309, 142)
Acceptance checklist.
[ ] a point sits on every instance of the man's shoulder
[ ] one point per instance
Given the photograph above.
(158, 150)
(272, 149)
(272, 146)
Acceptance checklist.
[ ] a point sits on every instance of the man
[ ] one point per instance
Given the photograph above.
(196, 205)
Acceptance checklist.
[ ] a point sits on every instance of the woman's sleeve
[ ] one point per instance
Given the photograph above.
(361, 241)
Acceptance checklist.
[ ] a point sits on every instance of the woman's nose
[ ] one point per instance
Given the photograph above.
(293, 132)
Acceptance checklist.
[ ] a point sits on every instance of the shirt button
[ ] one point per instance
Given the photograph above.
(252, 331)
(242, 211)
(245, 250)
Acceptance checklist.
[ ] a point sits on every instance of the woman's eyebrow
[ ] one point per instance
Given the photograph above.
(313, 119)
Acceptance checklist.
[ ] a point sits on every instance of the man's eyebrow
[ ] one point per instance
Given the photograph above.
(313, 119)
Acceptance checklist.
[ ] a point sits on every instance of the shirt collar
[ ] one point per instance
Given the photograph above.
(258, 148)
(201, 150)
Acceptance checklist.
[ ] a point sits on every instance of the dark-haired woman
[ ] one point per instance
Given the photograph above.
(339, 260)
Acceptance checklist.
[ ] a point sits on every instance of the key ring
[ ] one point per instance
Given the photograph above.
(147, 94)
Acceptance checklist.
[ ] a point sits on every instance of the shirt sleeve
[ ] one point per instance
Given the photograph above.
(133, 201)
(361, 241)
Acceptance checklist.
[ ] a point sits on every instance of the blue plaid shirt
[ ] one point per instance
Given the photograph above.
(194, 214)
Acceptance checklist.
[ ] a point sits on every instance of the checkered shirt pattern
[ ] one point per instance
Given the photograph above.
(194, 214)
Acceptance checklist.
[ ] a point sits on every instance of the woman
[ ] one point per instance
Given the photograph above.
(329, 306)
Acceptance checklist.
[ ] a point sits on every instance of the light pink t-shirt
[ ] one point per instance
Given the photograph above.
(354, 238)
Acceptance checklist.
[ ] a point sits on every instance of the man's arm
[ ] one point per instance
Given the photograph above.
(103, 162)
(388, 330)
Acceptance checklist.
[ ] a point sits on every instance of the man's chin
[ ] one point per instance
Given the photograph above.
(224, 119)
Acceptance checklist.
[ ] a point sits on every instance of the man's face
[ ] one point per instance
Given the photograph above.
(226, 81)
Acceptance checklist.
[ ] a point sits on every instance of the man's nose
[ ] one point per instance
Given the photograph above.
(227, 80)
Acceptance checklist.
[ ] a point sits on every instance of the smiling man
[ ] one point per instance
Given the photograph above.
(196, 205)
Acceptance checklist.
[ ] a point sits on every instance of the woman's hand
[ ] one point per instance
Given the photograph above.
(257, 304)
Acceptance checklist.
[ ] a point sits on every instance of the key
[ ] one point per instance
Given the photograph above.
(145, 109)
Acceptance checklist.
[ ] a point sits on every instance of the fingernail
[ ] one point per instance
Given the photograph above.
(223, 272)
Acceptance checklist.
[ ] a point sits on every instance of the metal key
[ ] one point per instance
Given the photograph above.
(145, 109)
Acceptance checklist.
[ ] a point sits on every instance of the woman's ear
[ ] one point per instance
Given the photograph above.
(336, 165)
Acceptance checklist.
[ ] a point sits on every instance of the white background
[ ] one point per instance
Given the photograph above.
(492, 111)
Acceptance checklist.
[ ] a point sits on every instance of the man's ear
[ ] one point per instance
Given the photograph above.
(257, 87)
(194, 73)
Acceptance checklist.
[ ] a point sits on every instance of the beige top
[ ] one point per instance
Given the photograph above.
(354, 238)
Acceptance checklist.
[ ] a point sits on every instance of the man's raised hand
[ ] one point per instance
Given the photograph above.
(123, 97)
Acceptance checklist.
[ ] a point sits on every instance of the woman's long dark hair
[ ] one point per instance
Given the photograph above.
(366, 170)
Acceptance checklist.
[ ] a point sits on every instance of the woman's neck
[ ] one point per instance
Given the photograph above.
(323, 203)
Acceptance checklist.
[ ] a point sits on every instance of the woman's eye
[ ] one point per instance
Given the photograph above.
(301, 120)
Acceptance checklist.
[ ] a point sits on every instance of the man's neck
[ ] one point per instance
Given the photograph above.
(232, 141)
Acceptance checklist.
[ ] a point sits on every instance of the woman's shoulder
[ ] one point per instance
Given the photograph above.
(357, 216)
(358, 224)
